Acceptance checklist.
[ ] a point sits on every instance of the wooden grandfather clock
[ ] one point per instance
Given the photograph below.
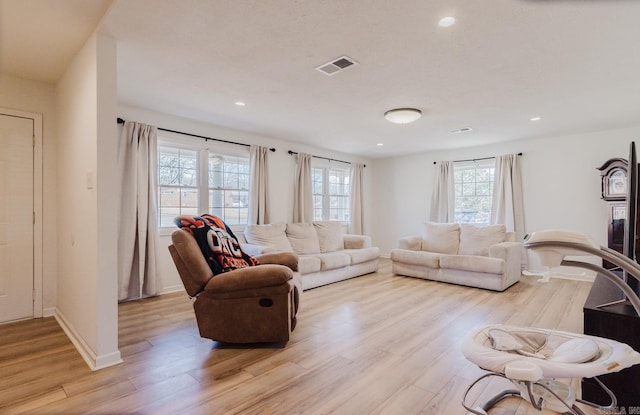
(603, 312)
(613, 174)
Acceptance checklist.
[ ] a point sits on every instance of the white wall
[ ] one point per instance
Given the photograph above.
(560, 181)
(38, 97)
(87, 296)
(281, 174)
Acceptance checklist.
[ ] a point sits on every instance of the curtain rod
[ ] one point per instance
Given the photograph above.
(121, 121)
(483, 158)
(325, 158)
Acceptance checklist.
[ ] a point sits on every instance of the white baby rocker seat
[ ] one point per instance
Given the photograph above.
(532, 358)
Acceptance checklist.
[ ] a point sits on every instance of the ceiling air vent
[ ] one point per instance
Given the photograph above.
(336, 65)
(461, 130)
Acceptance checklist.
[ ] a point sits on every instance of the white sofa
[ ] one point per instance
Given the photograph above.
(483, 257)
(325, 253)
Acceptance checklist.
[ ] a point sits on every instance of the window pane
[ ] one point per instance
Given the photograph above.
(189, 198)
(339, 208)
(229, 188)
(331, 201)
(168, 175)
(177, 184)
(243, 181)
(188, 177)
(473, 193)
(484, 188)
(231, 181)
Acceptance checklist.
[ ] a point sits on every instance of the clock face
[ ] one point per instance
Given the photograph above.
(617, 184)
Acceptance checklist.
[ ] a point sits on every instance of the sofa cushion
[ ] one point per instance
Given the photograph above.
(476, 240)
(272, 235)
(423, 258)
(472, 263)
(308, 264)
(330, 235)
(303, 238)
(441, 237)
(333, 260)
(358, 256)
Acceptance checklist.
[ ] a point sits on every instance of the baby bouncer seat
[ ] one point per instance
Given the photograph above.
(533, 358)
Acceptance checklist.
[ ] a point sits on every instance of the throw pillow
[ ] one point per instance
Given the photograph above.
(217, 242)
(271, 235)
(303, 238)
(443, 238)
(476, 240)
(330, 235)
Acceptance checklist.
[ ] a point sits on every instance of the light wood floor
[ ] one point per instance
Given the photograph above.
(378, 344)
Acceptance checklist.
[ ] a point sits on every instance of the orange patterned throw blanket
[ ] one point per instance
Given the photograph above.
(217, 242)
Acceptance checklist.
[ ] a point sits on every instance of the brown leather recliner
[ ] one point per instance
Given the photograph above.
(247, 305)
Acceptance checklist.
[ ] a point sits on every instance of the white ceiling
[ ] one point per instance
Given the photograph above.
(575, 63)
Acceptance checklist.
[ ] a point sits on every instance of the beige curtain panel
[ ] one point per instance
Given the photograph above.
(507, 206)
(356, 224)
(259, 180)
(137, 227)
(303, 191)
(443, 195)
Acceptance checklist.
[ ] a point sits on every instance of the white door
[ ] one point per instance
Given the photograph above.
(16, 218)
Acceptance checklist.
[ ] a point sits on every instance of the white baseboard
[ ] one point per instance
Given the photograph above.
(172, 289)
(49, 312)
(93, 361)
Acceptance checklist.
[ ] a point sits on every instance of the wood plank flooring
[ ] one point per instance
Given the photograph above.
(378, 344)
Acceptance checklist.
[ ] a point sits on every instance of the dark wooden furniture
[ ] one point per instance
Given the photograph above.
(613, 175)
(618, 322)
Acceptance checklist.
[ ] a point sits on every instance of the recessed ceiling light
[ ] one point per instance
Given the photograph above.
(535, 119)
(240, 103)
(379, 144)
(447, 21)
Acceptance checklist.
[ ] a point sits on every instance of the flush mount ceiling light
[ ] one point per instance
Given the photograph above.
(402, 115)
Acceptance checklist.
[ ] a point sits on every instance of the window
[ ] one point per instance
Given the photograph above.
(192, 181)
(177, 184)
(331, 190)
(229, 188)
(474, 191)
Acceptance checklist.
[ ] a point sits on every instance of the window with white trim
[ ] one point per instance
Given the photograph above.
(228, 182)
(193, 180)
(331, 192)
(474, 191)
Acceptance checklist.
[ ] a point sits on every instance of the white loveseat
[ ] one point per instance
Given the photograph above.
(325, 253)
(483, 257)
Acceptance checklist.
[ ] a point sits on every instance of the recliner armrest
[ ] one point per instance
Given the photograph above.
(413, 243)
(259, 276)
(288, 259)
